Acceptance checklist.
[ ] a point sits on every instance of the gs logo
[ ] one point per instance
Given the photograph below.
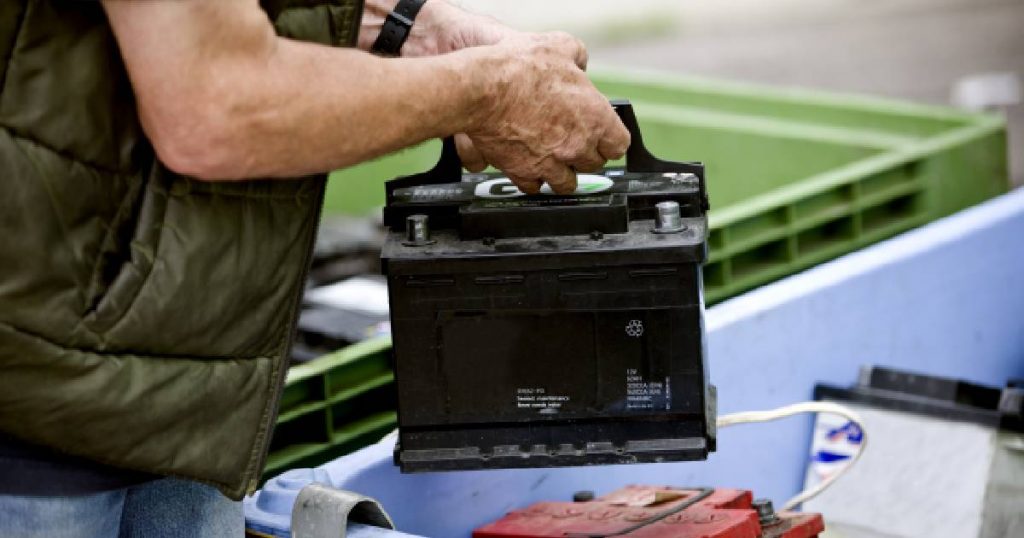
(502, 187)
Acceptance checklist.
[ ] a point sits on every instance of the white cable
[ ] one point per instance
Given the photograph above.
(748, 417)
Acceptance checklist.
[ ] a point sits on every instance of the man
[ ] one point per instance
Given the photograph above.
(149, 285)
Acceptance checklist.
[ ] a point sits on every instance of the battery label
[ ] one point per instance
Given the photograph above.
(587, 185)
(518, 203)
(642, 393)
(538, 399)
(564, 365)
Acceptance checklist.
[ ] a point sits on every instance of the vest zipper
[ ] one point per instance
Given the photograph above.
(283, 373)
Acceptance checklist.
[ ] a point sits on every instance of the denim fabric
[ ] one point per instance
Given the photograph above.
(37, 471)
(165, 508)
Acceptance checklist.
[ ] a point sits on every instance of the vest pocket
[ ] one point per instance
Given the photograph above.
(124, 288)
(12, 15)
(215, 270)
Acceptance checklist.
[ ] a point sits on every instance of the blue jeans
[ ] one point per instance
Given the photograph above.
(166, 508)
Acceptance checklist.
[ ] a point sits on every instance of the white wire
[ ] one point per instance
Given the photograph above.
(748, 417)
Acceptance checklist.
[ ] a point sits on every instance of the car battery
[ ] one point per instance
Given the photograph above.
(549, 330)
(656, 512)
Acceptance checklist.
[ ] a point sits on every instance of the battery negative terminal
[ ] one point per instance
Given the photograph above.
(669, 218)
(417, 231)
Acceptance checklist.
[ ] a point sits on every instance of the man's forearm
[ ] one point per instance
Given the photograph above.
(241, 102)
(314, 108)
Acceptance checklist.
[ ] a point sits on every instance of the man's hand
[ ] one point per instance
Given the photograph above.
(442, 27)
(545, 120)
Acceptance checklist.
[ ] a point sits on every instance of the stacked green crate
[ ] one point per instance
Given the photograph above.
(334, 405)
(795, 178)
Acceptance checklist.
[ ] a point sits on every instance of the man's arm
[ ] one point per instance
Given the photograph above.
(222, 97)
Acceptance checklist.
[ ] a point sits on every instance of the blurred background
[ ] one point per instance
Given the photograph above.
(968, 53)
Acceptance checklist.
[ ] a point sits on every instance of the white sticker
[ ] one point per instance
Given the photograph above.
(502, 187)
(835, 441)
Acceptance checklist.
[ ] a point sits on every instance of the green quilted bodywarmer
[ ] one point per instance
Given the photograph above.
(145, 318)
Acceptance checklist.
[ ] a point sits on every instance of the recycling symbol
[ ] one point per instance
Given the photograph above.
(635, 328)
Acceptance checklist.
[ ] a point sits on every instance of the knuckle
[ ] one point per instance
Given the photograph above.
(594, 164)
(553, 172)
(561, 177)
(566, 186)
(625, 140)
(569, 42)
(554, 176)
(559, 35)
(531, 173)
(530, 186)
(573, 149)
(617, 151)
(581, 47)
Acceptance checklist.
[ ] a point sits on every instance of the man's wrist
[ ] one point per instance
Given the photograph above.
(470, 74)
(489, 72)
(426, 34)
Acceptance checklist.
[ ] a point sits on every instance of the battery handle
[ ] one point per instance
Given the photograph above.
(638, 159)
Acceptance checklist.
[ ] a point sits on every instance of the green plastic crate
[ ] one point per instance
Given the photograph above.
(795, 178)
(332, 406)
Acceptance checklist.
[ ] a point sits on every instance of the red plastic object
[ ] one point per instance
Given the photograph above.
(652, 512)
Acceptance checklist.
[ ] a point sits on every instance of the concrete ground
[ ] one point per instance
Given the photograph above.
(909, 49)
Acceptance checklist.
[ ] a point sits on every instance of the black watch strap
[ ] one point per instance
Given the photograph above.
(397, 27)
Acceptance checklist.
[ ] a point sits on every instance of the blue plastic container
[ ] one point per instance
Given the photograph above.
(946, 299)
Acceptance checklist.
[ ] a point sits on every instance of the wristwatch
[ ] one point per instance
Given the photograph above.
(396, 28)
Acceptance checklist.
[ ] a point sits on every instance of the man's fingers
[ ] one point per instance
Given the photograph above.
(574, 47)
(591, 161)
(615, 141)
(559, 176)
(582, 57)
(529, 186)
(471, 157)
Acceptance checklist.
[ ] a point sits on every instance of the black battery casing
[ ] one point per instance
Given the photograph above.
(562, 331)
